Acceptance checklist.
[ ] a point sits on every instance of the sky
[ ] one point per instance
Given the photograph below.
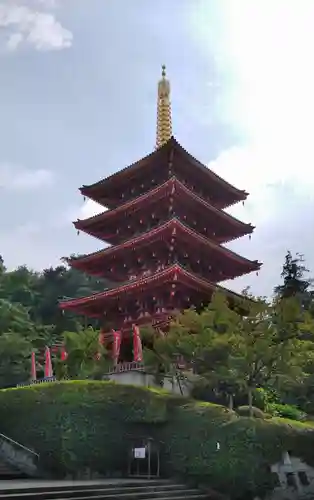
(78, 102)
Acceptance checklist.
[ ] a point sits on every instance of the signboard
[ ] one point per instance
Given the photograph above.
(139, 452)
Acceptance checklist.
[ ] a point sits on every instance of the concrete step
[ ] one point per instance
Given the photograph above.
(194, 496)
(31, 485)
(116, 490)
(123, 491)
(47, 487)
(103, 493)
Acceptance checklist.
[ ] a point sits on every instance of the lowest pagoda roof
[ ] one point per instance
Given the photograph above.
(94, 305)
(106, 191)
(98, 263)
(96, 224)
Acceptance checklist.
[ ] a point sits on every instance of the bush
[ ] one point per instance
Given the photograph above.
(74, 425)
(264, 397)
(244, 411)
(286, 411)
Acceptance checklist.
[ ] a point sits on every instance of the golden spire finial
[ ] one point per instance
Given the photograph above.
(164, 125)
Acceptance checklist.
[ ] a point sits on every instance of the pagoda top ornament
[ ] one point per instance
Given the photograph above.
(164, 123)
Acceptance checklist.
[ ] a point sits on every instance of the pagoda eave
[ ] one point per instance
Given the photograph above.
(96, 190)
(173, 275)
(174, 188)
(172, 232)
(101, 191)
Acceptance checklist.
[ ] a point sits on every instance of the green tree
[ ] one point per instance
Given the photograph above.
(40, 293)
(260, 352)
(19, 286)
(296, 283)
(236, 351)
(15, 318)
(2, 266)
(15, 359)
(29, 304)
(203, 341)
(86, 357)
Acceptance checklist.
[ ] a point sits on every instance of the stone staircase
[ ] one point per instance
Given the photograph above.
(7, 471)
(16, 460)
(102, 490)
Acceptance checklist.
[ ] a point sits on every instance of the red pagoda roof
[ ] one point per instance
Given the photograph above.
(99, 263)
(108, 191)
(95, 225)
(95, 304)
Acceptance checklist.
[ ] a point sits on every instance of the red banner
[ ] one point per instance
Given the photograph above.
(64, 354)
(137, 345)
(48, 364)
(33, 367)
(102, 335)
(116, 345)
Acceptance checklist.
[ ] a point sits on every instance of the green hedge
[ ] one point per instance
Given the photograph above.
(78, 424)
(90, 424)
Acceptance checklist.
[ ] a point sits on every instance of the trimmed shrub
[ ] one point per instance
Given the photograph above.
(81, 424)
(244, 411)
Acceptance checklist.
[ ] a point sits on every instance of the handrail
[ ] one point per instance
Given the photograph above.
(6, 438)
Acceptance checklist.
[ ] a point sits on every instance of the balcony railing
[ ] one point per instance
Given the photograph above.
(126, 367)
(38, 381)
(119, 368)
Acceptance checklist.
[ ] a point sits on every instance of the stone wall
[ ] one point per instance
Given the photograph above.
(295, 479)
(143, 379)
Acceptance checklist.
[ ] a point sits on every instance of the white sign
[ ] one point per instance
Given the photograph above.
(139, 452)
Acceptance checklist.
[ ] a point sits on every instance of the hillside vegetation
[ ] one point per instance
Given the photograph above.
(81, 424)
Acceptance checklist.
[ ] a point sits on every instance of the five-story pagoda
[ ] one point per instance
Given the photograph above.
(166, 228)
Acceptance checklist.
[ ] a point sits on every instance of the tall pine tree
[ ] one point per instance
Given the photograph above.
(295, 280)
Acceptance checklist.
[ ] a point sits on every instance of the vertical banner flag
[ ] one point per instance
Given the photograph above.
(102, 337)
(48, 364)
(116, 345)
(64, 354)
(101, 341)
(137, 345)
(33, 367)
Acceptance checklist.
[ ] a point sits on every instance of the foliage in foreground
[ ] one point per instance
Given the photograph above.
(30, 319)
(91, 424)
(234, 353)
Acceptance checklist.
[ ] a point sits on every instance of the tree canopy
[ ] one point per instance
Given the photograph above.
(30, 317)
(262, 357)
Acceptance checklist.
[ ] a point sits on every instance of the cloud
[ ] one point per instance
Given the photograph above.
(26, 244)
(25, 230)
(13, 178)
(272, 100)
(47, 3)
(90, 208)
(87, 209)
(27, 26)
(265, 49)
